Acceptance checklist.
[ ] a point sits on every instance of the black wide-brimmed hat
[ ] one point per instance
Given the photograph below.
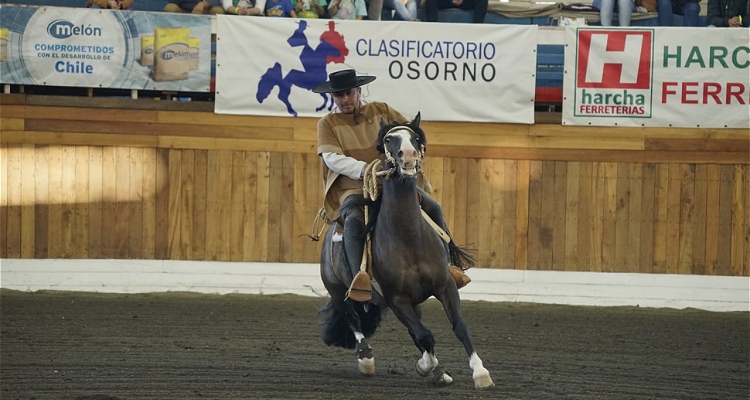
(342, 80)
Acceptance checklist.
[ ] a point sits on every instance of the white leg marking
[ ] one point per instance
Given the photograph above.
(425, 364)
(481, 376)
(367, 366)
(359, 336)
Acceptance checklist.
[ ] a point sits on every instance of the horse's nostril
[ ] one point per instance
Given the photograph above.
(400, 153)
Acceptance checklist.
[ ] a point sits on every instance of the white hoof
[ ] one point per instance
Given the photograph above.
(367, 366)
(447, 379)
(422, 370)
(483, 381)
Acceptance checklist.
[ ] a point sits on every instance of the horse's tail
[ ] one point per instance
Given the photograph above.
(460, 256)
(336, 330)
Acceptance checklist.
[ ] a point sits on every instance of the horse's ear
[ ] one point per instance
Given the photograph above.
(417, 119)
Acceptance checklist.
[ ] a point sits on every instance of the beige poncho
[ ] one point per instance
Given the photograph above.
(353, 137)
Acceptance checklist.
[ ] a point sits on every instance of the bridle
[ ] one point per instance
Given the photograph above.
(389, 157)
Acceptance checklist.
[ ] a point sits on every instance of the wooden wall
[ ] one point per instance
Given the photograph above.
(102, 178)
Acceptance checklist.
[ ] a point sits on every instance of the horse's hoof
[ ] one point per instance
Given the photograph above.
(421, 371)
(483, 381)
(441, 377)
(367, 366)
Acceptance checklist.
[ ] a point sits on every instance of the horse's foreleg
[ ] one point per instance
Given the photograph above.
(425, 342)
(452, 306)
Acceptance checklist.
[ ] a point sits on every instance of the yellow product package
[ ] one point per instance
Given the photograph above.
(147, 50)
(3, 44)
(171, 54)
(195, 55)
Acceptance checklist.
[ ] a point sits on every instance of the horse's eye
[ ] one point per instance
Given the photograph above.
(387, 140)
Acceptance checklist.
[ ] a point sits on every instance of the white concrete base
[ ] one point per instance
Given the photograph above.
(715, 293)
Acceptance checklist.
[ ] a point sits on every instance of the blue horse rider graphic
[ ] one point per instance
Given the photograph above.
(331, 49)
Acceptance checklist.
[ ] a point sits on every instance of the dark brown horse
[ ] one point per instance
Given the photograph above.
(409, 263)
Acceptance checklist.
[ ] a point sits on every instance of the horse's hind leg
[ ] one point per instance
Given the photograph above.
(452, 306)
(365, 357)
(425, 342)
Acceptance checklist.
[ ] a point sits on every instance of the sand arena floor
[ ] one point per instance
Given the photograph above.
(66, 345)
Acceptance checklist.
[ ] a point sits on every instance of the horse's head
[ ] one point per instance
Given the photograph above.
(403, 144)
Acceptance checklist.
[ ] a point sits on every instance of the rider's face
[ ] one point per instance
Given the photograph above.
(347, 100)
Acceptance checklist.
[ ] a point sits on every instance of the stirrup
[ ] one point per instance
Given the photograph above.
(361, 288)
(459, 276)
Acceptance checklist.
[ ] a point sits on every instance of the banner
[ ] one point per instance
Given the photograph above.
(104, 49)
(662, 77)
(449, 72)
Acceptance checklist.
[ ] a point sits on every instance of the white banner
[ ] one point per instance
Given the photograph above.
(659, 77)
(449, 72)
(104, 48)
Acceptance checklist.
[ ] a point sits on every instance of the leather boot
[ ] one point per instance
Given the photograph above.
(354, 244)
(459, 276)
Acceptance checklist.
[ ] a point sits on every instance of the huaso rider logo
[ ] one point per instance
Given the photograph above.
(613, 76)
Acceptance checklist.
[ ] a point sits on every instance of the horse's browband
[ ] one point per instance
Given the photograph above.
(395, 128)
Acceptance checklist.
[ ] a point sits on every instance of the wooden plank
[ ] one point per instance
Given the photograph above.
(161, 234)
(712, 218)
(15, 196)
(535, 216)
(661, 204)
(725, 219)
(186, 198)
(213, 143)
(100, 103)
(68, 201)
(509, 214)
(149, 203)
(10, 99)
(485, 195)
(482, 139)
(622, 218)
(673, 219)
(237, 206)
(122, 206)
(449, 192)
(212, 119)
(262, 206)
(28, 202)
(496, 224)
(558, 215)
(95, 204)
(200, 193)
(286, 213)
(548, 213)
(649, 215)
(435, 178)
(82, 201)
(522, 215)
(11, 124)
(595, 155)
(300, 203)
(635, 215)
(703, 144)
(225, 196)
(4, 201)
(698, 259)
(12, 111)
(41, 198)
(598, 190)
(459, 210)
(687, 203)
(609, 227)
(473, 216)
(175, 210)
(573, 185)
(89, 114)
(135, 203)
(586, 196)
(250, 245)
(736, 267)
(315, 196)
(109, 201)
(274, 207)
(79, 139)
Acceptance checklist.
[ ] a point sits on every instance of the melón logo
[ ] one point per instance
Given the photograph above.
(170, 54)
(63, 29)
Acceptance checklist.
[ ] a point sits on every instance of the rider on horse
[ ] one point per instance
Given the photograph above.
(347, 144)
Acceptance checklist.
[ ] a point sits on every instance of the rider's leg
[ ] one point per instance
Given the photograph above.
(354, 245)
(435, 212)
